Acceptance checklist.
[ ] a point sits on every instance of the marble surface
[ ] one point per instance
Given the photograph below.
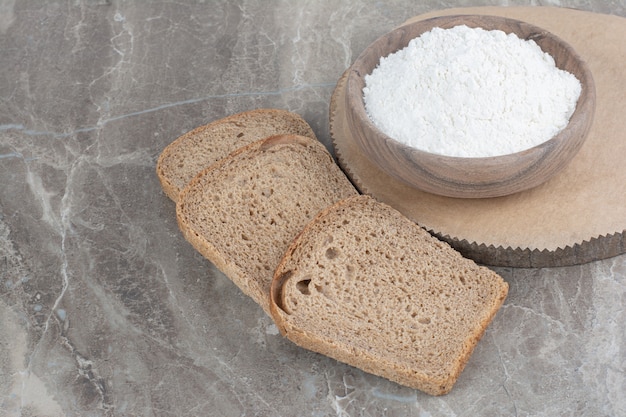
(105, 310)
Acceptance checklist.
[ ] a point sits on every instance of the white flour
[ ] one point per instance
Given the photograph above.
(471, 93)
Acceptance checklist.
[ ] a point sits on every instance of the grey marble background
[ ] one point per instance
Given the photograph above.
(105, 310)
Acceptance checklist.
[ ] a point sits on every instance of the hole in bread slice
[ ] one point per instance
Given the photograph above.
(332, 253)
(303, 286)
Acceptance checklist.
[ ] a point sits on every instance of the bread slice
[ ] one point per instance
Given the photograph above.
(365, 285)
(184, 158)
(243, 212)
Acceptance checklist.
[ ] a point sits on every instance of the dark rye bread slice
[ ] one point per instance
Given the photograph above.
(185, 157)
(243, 212)
(368, 287)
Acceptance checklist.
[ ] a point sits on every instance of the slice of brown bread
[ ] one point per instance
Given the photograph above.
(365, 285)
(243, 212)
(185, 157)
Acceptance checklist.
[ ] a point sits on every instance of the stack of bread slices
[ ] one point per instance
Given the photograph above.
(339, 273)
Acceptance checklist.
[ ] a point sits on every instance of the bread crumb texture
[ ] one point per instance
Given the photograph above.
(188, 155)
(367, 286)
(243, 213)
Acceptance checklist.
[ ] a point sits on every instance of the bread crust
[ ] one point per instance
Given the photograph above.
(171, 176)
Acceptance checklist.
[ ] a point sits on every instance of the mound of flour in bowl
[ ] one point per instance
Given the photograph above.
(471, 93)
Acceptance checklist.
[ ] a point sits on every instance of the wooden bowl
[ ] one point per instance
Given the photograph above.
(469, 177)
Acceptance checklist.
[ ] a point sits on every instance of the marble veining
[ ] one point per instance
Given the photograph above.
(105, 310)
